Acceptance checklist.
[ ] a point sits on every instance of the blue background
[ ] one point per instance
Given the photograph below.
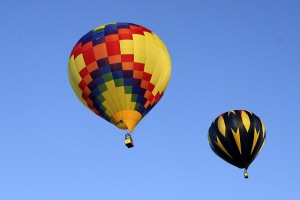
(225, 55)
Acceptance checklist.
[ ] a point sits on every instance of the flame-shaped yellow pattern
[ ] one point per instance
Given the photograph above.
(220, 145)
(221, 126)
(245, 120)
(237, 138)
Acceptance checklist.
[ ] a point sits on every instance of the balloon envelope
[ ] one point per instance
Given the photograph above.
(120, 71)
(237, 136)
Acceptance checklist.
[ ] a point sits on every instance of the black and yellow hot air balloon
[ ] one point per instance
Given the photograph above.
(237, 136)
(120, 71)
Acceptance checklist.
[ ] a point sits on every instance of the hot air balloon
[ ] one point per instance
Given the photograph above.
(120, 71)
(237, 136)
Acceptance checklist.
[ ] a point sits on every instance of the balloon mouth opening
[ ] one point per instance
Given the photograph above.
(121, 125)
(126, 119)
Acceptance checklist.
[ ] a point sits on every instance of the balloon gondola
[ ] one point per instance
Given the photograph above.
(237, 136)
(120, 71)
(128, 140)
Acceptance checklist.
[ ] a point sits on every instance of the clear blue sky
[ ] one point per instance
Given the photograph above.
(225, 55)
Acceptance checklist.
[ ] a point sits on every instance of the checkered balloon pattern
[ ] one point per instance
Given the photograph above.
(120, 71)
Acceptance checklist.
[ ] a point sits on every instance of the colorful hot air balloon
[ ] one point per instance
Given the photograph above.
(237, 136)
(120, 71)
